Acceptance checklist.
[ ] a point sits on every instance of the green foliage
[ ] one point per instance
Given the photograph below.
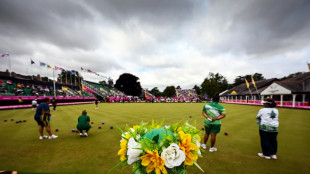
(213, 84)
(290, 75)
(69, 77)
(197, 89)
(149, 144)
(155, 91)
(169, 91)
(103, 82)
(129, 84)
(240, 79)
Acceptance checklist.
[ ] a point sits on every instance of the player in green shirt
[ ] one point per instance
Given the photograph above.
(213, 113)
(83, 123)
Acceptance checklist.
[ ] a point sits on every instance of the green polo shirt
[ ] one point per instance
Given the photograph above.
(213, 109)
(83, 122)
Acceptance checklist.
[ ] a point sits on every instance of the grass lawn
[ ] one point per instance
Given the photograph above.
(21, 149)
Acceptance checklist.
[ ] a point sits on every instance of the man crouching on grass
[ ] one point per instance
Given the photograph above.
(213, 113)
(42, 117)
(83, 123)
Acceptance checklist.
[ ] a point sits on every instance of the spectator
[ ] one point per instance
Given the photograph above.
(34, 104)
(54, 103)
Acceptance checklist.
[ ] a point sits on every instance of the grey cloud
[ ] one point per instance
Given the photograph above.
(256, 28)
(62, 23)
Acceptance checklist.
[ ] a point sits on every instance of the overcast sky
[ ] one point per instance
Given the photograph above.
(163, 42)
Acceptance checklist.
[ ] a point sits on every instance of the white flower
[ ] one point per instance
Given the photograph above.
(132, 153)
(173, 156)
(138, 136)
(123, 135)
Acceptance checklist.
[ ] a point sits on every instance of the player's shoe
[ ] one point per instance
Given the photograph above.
(273, 157)
(53, 137)
(212, 149)
(81, 134)
(204, 146)
(43, 137)
(85, 134)
(263, 156)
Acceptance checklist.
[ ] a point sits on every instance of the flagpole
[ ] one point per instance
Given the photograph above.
(71, 79)
(54, 83)
(10, 64)
(31, 69)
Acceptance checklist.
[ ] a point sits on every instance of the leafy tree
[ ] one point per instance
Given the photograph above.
(103, 82)
(240, 79)
(197, 89)
(69, 77)
(258, 76)
(129, 84)
(169, 91)
(110, 82)
(178, 87)
(213, 84)
(155, 91)
(291, 75)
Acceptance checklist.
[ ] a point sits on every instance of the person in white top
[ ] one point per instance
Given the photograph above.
(268, 120)
(34, 104)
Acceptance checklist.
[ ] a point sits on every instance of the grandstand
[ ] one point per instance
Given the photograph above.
(14, 86)
(186, 93)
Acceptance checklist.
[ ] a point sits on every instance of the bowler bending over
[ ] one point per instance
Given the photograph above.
(83, 123)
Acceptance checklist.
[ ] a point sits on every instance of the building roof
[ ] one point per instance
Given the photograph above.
(243, 90)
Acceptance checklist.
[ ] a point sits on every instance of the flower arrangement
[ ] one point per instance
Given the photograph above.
(160, 149)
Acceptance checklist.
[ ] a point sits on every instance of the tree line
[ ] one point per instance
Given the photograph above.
(212, 84)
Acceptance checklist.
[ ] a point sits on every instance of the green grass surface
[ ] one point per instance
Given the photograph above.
(21, 149)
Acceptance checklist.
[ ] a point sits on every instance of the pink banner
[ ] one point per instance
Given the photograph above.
(42, 97)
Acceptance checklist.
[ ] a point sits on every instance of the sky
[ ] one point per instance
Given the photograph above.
(162, 42)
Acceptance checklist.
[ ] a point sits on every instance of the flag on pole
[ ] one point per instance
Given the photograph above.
(247, 83)
(309, 66)
(49, 67)
(58, 68)
(253, 82)
(32, 62)
(5, 55)
(42, 64)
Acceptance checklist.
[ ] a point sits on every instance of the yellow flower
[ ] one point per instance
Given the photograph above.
(127, 136)
(136, 127)
(153, 161)
(122, 152)
(187, 147)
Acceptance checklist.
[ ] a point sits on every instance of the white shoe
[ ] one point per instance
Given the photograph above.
(204, 146)
(212, 149)
(81, 134)
(273, 157)
(53, 137)
(263, 156)
(85, 134)
(43, 137)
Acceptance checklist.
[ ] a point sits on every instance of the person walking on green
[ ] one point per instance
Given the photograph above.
(213, 113)
(83, 123)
